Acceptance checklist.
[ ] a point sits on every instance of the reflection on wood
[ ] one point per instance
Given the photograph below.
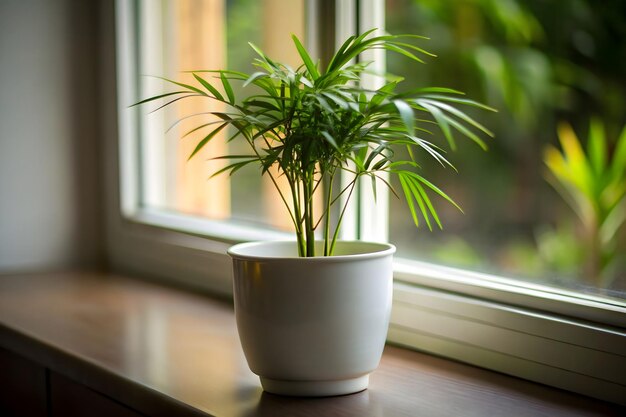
(166, 352)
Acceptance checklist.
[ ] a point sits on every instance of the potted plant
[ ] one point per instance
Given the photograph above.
(312, 314)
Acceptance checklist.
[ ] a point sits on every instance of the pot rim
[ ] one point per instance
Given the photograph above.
(369, 250)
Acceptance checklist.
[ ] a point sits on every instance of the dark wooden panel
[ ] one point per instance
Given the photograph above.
(22, 386)
(70, 399)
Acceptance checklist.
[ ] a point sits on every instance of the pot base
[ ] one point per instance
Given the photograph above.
(315, 388)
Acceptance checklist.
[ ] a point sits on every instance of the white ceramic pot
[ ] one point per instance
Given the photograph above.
(312, 326)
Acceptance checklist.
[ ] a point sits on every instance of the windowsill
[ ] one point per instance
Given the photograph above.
(162, 351)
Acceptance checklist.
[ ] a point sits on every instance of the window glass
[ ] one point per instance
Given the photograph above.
(187, 35)
(545, 203)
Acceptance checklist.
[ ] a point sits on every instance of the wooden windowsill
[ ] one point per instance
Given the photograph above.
(163, 351)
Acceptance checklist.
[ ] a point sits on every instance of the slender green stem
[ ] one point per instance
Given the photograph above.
(299, 227)
(295, 195)
(308, 186)
(333, 201)
(343, 211)
(292, 215)
(326, 214)
(318, 182)
(295, 214)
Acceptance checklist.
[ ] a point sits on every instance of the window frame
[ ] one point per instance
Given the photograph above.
(563, 339)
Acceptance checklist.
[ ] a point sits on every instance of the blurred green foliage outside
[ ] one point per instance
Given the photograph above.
(540, 63)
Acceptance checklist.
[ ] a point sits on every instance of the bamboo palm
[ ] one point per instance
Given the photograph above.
(312, 123)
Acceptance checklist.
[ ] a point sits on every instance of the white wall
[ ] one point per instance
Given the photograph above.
(49, 215)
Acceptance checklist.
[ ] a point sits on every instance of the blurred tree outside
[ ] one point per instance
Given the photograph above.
(541, 63)
(592, 182)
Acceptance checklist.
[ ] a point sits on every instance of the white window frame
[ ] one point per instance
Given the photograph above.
(559, 338)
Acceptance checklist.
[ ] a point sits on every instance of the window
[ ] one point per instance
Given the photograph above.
(167, 228)
(177, 36)
(547, 69)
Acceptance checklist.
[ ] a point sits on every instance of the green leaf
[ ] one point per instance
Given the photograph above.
(228, 89)
(382, 93)
(209, 87)
(435, 189)
(306, 82)
(269, 87)
(330, 139)
(461, 115)
(442, 122)
(233, 74)
(432, 150)
(175, 100)
(429, 92)
(408, 195)
(308, 62)
(419, 198)
(265, 58)
(389, 186)
(359, 157)
(402, 51)
(324, 103)
(415, 48)
(374, 153)
(149, 99)
(340, 52)
(460, 101)
(373, 178)
(217, 158)
(187, 86)
(596, 147)
(252, 78)
(615, 219)
(336, 99)
(234, 167)
(261, 102)
(195, 129)
(206, 139)
(429, 204)
(407, 115)
(354, 48)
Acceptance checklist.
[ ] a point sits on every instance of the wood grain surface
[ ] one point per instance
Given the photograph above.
(167, 352)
